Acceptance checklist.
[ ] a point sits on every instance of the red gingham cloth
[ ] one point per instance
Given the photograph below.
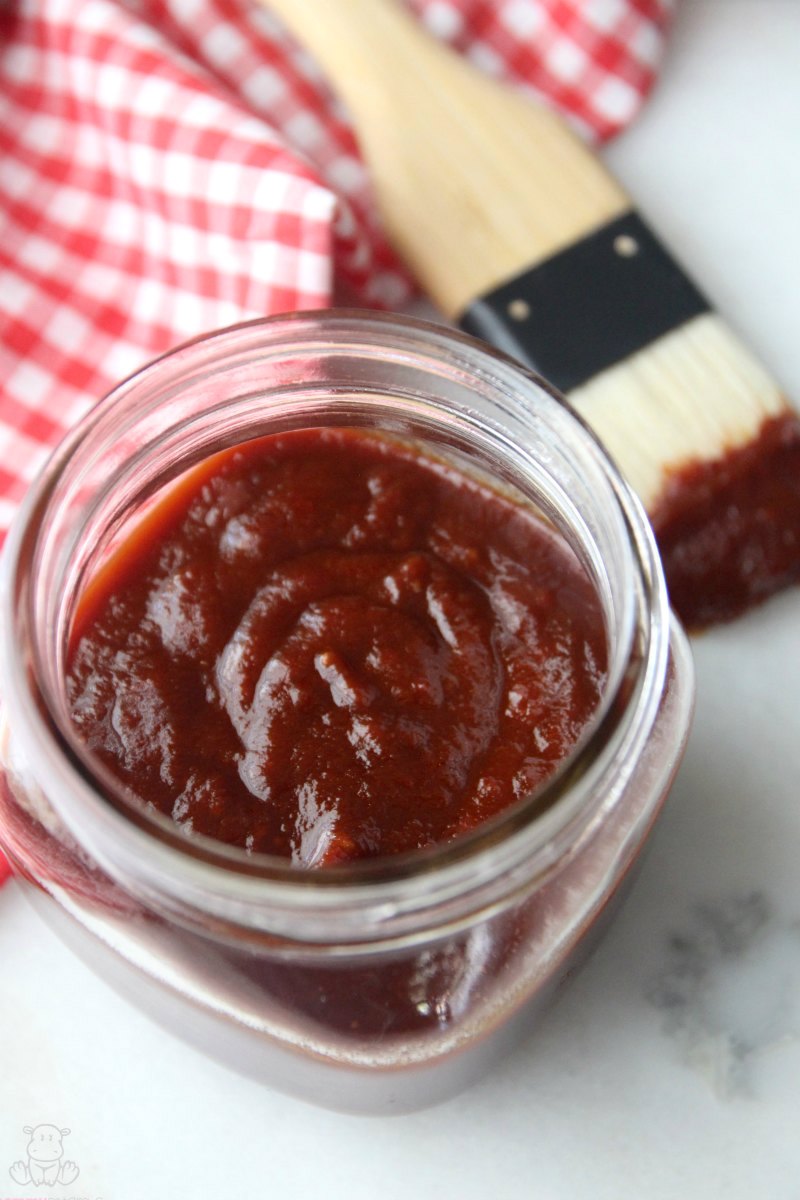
(168, 167)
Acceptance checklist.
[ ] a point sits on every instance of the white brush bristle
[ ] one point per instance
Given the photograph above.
(691, 396)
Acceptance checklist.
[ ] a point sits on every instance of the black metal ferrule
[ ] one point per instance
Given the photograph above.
(589, 306)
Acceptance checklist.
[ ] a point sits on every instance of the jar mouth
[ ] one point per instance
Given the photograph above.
(154, 416)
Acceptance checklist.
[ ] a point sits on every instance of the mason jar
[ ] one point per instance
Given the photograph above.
(387, 984)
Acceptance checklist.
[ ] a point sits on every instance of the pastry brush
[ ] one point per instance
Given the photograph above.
(518, 233)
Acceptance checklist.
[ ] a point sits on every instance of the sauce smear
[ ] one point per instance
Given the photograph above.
(729, 530)
(328, 646)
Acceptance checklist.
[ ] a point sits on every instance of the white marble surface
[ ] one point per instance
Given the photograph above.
(671, 1067)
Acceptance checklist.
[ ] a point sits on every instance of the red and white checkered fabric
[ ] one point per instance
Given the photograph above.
(171, 166)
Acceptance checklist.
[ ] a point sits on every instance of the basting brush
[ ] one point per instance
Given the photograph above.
(518, 233)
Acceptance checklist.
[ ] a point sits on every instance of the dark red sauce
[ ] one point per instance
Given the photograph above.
(328, 646)
(729, 530)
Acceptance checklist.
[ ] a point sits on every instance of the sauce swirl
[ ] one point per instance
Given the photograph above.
(328, 645)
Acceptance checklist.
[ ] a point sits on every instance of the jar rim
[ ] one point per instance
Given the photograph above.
(546, 823)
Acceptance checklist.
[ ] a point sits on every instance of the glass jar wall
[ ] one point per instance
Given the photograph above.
(381, 985)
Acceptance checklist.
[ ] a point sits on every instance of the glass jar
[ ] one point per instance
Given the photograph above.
(384, 985)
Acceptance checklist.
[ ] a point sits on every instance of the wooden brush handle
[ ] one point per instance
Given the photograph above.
(475, 183)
